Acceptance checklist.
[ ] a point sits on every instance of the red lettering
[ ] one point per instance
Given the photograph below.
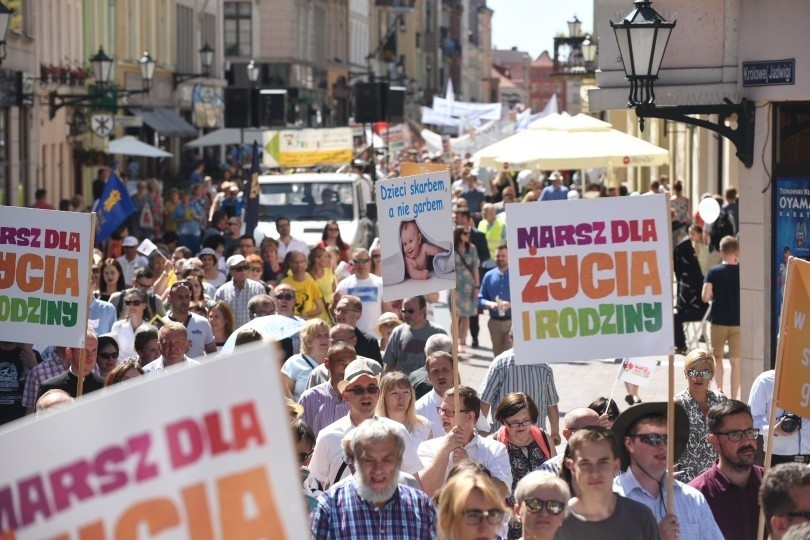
(70, 480)
(246, 426)
(178, 433)
(33, 500)
(534, 267)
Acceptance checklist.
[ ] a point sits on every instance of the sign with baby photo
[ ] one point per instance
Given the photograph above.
(416, 235)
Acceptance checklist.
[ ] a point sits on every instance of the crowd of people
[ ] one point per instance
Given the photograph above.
(388, 446)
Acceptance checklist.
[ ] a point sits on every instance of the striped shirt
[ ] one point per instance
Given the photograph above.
(41, 373)
(238, 298)
(505, 377)
(694, 515)
(322, 406)
(342, 515)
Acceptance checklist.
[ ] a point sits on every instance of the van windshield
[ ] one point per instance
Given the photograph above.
(312, 201)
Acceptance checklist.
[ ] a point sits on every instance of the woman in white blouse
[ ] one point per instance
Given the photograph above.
(137, 312)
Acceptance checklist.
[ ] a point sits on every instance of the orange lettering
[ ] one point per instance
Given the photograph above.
(564, 269)
(157, 514)
(94, 531)
(534, 267)
(26, 282)
(645, 273)
(590, 264)
(232, 491)
(198, 512)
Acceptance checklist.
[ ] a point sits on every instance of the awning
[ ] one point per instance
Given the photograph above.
(225, 136)
(166, 122)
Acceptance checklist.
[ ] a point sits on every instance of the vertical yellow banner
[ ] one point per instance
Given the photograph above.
(793, 386)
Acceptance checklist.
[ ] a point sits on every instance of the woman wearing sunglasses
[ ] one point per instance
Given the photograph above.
(331, 237)
(699, 455)
(470, 507)
(136, 313)
(107, 357)
(540, 503)
(528, 446)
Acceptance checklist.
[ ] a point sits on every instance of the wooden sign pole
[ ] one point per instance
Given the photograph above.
(670, 388)
(456, 377)
(83, 351)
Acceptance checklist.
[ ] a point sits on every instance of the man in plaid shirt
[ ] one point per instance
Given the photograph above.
(372, 504)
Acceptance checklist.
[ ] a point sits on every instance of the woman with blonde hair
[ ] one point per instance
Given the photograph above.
(470, 506)
(398, 402)
(699, 455)
(314, 346)
(319, 266)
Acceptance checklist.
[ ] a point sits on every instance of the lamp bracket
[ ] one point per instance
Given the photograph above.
(742, 136)
(110, 94)
(57, 101)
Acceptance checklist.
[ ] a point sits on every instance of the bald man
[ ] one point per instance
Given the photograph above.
(575, 419)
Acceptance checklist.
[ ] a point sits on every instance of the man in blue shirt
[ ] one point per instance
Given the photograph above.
(556, 191)
(373, 503)
(494, 296)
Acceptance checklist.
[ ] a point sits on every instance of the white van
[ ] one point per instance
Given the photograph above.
(310, 201)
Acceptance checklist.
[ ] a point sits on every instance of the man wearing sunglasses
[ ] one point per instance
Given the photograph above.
(785, 498)
(732, 483)
(365, 286)
(642, 430)
(239, 290)
(360, 388)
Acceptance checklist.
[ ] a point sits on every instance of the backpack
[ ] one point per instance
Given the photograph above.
(724, 226)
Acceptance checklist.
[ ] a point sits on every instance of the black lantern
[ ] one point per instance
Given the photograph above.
(206, 60)
(252, 71)
(108, 98)
(102, 67)
(5, 21)
(642, 37)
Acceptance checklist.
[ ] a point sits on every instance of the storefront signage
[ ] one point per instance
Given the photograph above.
(769, 72)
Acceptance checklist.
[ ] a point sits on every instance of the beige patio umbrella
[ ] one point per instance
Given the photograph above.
(571, 142)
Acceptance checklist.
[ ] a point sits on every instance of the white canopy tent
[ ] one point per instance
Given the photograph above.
(130, 146)
(561, 141)
(226, 136)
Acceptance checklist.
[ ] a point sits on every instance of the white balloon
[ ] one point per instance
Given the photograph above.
(709, 210)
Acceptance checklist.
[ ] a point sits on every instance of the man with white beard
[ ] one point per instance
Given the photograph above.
(372, 501)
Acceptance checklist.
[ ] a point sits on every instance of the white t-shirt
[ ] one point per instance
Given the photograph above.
(199, 335)
(369, 291)
(488, 452)
(298, 368)
(295, 245)
(125, 336)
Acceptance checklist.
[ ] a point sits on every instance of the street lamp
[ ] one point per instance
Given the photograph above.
(642, 37)
(102, 94)
(574, 27)
(206, 59)
(5, 20)
(252, 71)
(589, 48)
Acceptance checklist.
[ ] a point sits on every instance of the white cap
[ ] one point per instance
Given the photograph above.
(234, 260)
(130, 241)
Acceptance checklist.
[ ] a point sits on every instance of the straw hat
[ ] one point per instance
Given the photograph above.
(386, 318)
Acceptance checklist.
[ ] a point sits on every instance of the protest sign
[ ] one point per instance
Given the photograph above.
(308, 147)
(590, 279)
(44, 275)
(638, 370)
(793, 387)
(408, 168)
(135, 460)
(416, 235)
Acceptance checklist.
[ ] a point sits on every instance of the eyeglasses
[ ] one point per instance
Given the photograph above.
(737, 434)
(522, 423)
(475, 517)
(108, 355)
(361, 261)
(376, 256)
(135, 303)
(534, 505)
(284, 297)
(449, 412)
(653, 439)
(702, 373)
(359, 390)
(303, 456)
(239, 268)
(332, 229)
(256, 269)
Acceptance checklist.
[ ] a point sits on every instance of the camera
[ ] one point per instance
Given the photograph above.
(791, 422)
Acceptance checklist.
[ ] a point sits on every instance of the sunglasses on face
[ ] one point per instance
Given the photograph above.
(256, 269)
(652, 439)
(475, 517)
(699, 373)
(239, 268)
(361, 261)
(534, 505)
(332, 229)
(359, 390)
(284, 297)
(737, 434)
(135, 303)
(108, 355)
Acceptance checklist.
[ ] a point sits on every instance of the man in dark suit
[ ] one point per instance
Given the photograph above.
(69, 380)
(479, 240)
